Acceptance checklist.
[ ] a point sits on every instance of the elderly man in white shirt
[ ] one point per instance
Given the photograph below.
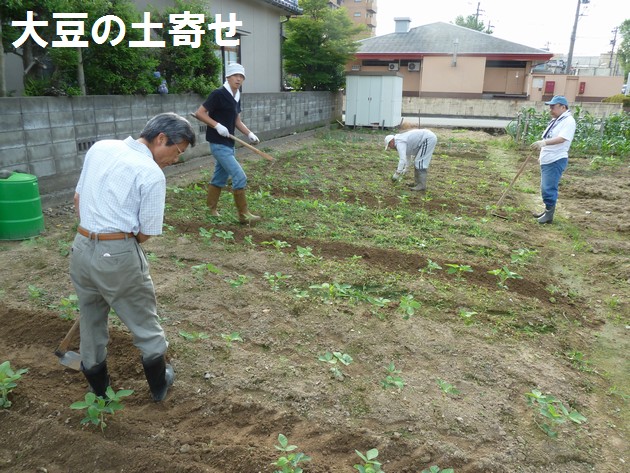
(119, 200)
(418, 145)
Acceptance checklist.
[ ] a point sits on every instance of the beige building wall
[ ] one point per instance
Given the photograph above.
(471, 79)
(503, 80)
(439, 75)
(594, 88)
(491, 108)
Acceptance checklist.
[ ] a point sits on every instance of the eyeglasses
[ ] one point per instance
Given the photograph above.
(179, 150)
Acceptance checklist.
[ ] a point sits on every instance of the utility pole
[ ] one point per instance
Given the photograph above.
(613, 42)
(479, 11)
(575, 24)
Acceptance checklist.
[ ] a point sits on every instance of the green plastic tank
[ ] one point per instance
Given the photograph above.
(20, 206)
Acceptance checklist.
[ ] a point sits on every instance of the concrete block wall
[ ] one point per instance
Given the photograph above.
(490, 108)
(49, 136)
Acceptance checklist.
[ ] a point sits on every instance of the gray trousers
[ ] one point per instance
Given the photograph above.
(114, 274)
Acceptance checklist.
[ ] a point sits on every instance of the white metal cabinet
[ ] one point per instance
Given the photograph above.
(373, 99)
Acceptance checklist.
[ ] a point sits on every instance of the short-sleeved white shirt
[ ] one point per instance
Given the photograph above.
(121, 189)
(563, 126)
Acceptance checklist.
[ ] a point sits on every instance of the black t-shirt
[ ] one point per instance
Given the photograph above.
(224, 109)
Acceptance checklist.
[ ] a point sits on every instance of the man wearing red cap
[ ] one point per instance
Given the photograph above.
(222, 113)
(554, 154)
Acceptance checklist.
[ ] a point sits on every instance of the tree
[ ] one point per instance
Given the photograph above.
(318, 46)
(59, 71)
(30, 53)
(473, 22)
(120, 69)
(188, 69)
(623, 52)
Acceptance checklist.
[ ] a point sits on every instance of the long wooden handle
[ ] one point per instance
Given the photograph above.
(244, 143)
(520, 171)
(63, 346)
(253, 148)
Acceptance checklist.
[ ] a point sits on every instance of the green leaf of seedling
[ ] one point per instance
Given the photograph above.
(343, 357)
(576, 417)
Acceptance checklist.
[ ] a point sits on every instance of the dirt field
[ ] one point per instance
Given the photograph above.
(562, 329)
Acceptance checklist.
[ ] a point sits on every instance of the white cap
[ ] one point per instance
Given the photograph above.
(234, 68)
(388, 138)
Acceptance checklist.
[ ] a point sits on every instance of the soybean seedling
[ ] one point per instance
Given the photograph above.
(226, 236)
(467, 316)
(289, 463)
(408, 306)
(231, 337)
(193, 336)
(200, 269)
(436, 469)
(239, 281)
(579, 361)
(68, 307)
(393, 380)
(206, 234)
(447, 388)
(458, 269)
(553, 410)
(332, 291)
(97, 407)
(332, 359)
(8, 379)
(276, 280)
(523, 256)
(503, 274)
(277, 244)
(306, 254)
(430, 267)
(35, 292)
(370, 465)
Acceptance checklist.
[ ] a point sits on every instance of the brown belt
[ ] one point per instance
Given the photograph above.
(104, 236)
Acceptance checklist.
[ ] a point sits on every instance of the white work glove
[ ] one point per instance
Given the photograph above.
(539, 144)
(221, 130)
(399, 174)
(253, 139)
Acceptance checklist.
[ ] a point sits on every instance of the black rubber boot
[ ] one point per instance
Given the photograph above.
(98, 378)
(160, 376)
(547, 217)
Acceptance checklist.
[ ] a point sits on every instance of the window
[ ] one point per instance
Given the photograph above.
(231, 53)
(357, 13)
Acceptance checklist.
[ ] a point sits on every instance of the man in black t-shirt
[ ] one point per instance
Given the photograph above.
(222, 113)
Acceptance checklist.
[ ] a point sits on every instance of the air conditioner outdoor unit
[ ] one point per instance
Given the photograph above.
(414, 66)
(393, 66)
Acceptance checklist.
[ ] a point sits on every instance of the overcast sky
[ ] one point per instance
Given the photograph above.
(534, 23)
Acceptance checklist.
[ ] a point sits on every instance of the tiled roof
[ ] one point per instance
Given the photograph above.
(438, 38)
(290, 6)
